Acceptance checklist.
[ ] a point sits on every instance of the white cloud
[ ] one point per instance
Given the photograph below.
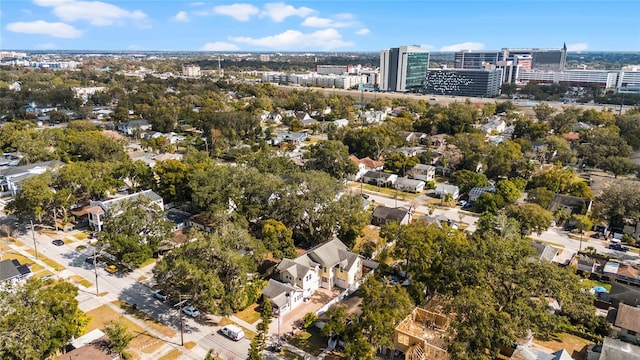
(220, 46)
(313, 21)
(181, 16)
(95, 12)
(363, 31)
(240, 12)
(577, 47)
(318, 22)
(463, 46)
(197, 3)
(327, 39)
(280, 11)
(55, 29)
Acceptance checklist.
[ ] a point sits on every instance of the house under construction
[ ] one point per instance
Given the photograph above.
(422, 336)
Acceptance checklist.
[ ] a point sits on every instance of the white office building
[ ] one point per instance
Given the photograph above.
(403, 69)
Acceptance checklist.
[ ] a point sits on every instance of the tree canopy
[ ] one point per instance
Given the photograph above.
(38, 319)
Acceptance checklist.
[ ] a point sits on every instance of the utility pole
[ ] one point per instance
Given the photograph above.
(33, 234)
(179, 304)
(95, 270)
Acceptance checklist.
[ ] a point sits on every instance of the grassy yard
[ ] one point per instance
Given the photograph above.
(371, 234)
(575, 346)
(310, 341)
(46, 260)
(80, 236)
(589, 284)
(41, 274)
(174, 354)
(13, 241)
(250, 314)
(23, 261)
(80, 280)
(147, 262)
(389, 192)
(142, 341)
(149, 321)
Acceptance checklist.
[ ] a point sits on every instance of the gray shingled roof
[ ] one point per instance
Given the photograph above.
(10, 269)
(16, 170)
(297, 268)
(402, 181)
(626, 294)
(577, 205)
(329, 252)
(277, 292)
(378, 175)
(614, 349)
(389, 213)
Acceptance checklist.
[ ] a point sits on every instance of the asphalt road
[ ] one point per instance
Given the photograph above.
(125, 287)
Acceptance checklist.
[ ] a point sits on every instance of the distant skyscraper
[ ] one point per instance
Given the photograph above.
(476, 59)
(403, 69)
(541, 59)
(512, 61)
(464, 82)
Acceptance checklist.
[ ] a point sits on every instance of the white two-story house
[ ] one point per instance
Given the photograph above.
(328, 265)
(97, 210)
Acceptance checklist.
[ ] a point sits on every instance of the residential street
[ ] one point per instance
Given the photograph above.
(555, 236)
(127, 288)
(134, 287)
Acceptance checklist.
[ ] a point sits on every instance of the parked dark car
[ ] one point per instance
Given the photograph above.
(57, 242)
(618, 247)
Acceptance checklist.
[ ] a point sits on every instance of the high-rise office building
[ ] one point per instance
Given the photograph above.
(541, 59)
(464, 82)
(404, 69)
(476, 59)
(511, 61)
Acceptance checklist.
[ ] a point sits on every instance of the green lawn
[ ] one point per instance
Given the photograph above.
(80, 236)
(250, 314)
(389, 192)
(589, 284)
(310, 341)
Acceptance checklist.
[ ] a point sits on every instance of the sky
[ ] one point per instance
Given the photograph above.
(318, 25)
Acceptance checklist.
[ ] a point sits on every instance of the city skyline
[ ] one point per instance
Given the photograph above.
(318, 25)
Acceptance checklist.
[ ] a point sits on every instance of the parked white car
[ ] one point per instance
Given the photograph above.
(191, 311)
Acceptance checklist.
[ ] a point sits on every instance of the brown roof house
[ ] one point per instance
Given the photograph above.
(93, 345)
(628, 321)
(365, 165)
(422, 336)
